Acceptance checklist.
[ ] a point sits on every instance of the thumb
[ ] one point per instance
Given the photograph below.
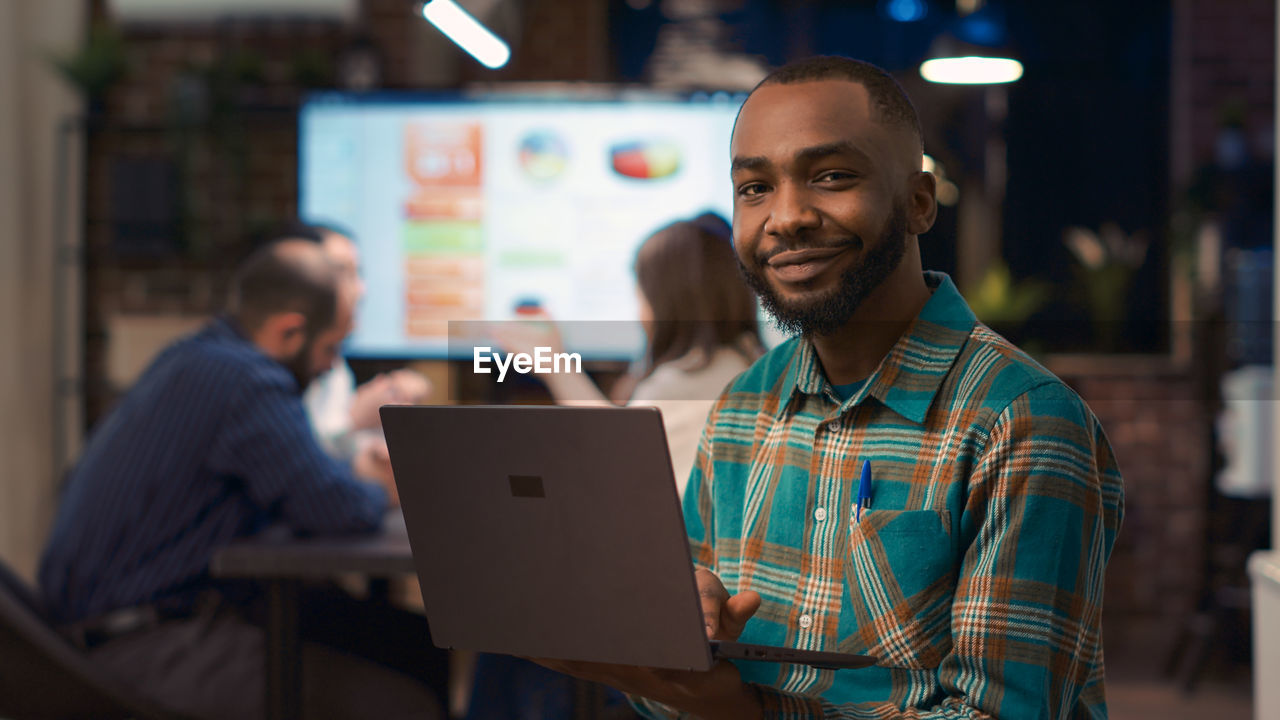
(735, 613)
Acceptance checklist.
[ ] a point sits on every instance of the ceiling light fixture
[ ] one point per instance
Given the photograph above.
(971, 70)
(469, 34)
(972, 52)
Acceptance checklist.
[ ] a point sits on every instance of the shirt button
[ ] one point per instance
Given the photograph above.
(834, 426)
(820, 514)
(806, 622)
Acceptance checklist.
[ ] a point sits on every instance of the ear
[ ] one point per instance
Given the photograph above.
(283, 334)
(922, 203)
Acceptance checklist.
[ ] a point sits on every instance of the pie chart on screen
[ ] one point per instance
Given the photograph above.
(543, 155)
(645, 159)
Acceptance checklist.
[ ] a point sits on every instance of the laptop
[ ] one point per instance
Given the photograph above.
(556, 532)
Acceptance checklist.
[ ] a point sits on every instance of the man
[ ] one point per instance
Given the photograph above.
(212, 444)
(345, 416)
(972, 568)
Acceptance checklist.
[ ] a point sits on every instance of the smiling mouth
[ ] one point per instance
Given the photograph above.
(798, 266)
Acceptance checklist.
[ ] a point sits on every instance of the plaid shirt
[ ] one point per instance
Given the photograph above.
(976, 576)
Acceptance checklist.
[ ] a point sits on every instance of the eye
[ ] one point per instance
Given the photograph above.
(751, 189)
(835, 176)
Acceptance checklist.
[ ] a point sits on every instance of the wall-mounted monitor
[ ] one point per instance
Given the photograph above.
(464, 207)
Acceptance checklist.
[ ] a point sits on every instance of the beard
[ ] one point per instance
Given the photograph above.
(829, 311)
(299, 366)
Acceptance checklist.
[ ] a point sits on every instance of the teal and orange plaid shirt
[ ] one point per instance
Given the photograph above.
(975, 578)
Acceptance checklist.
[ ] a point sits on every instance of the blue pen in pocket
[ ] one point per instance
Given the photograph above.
(864, 491)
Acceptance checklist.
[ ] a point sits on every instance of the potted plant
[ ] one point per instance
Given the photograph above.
(96, 66)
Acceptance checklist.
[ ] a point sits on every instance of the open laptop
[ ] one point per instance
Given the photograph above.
(556, 532)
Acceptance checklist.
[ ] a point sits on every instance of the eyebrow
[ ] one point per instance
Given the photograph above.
(809, 154)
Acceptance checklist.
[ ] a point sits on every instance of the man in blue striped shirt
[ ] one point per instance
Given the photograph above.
(211, 444)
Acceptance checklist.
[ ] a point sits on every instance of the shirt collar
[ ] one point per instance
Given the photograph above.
(909, 376)
(225, 327)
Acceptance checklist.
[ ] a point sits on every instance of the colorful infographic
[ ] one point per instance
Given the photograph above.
(645, 159)
(443, 238)
(472, 210)
(543, 155)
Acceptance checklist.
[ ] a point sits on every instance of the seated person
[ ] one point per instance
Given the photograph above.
(210, 445)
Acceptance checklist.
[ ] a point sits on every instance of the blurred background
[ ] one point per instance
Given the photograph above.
(1110, 210)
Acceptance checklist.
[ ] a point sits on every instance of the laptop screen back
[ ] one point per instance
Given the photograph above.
(548, 532)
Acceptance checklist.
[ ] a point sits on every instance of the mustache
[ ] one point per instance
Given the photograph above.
(764, 256)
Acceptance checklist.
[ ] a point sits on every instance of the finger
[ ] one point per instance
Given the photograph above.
(713, 595)
(412, 385)
(735, 613)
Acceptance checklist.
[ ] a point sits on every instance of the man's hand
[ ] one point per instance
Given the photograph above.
(408, 387)
(399, 387)
(711, 695)
(725, 615)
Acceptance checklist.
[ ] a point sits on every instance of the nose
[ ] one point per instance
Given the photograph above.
(792, 212)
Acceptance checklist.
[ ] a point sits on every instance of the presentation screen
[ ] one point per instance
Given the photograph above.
(467, 208)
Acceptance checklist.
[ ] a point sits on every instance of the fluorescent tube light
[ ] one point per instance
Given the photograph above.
(470, 35)
(971, 70)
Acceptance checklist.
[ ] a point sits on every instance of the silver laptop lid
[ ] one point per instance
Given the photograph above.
(548, 532)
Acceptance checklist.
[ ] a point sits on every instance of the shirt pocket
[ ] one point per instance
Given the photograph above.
(901, 581)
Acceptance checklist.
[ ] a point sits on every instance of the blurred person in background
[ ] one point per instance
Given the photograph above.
(700, 325)
(212, 444)
(701, 329)
(344, 415)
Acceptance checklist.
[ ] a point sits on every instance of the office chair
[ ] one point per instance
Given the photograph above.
(42, 675)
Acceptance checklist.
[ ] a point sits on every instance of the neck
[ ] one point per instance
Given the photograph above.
(854, 351)
(270, 343)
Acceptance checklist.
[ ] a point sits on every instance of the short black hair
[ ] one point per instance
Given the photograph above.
(888, 99)
(284, 276)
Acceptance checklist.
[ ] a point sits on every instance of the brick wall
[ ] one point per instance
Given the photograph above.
(1155, 417)
(1224, 66)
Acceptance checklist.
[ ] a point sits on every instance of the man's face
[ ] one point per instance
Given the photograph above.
(821, 200)
(319, 352)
